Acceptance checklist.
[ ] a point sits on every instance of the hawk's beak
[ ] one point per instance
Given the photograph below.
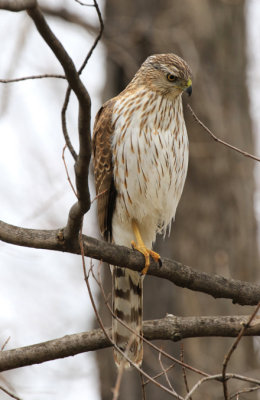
(189, 90)
(189, 87)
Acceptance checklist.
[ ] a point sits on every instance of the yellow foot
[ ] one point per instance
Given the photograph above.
(147, 253)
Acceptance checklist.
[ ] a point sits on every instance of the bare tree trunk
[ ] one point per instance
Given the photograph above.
(215, 228)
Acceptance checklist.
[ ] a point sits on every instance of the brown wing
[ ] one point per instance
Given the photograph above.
(103, 168)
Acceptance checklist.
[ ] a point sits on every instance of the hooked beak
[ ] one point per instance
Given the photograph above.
(189, 90)
(189, 87)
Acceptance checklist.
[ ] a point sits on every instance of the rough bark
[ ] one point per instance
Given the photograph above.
(240, 292)
(168, 328)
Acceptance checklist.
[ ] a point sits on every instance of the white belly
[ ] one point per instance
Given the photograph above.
(150, 166)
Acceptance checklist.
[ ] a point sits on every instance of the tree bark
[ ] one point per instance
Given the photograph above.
(169, 328)
(215, 222)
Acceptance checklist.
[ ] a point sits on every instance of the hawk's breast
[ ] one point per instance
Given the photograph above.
(150, 156)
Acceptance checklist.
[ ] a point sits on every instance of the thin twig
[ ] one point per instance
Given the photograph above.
(184, 370)
(86, 278)
(165, 373)
(160, 373)
(153, 380)
(143, 386)
(64, 124)
(67, 172)
(99, 195)
(240, 378)
(5, 343)
(246, 390)
(199, 383)
(232, 349)
(9, 393)
(219, 378)
(244, 153)
(120, 372)
(20, 44)
(26, 78)
(83, 4)
(100, 33)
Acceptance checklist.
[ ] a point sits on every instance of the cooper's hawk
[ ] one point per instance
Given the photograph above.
(140, 151)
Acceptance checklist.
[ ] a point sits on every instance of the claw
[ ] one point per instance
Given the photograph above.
(156, 258)
(140, 246)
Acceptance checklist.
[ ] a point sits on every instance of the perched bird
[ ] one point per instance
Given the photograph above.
(140, 155)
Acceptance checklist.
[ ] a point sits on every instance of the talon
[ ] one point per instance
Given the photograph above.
(142, 249)
(147, 263)
(140, 246)
(155, 256)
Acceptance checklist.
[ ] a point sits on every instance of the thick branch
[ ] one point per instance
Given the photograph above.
(16, 5)
(82, 164)
(240, 292)
(169, 328)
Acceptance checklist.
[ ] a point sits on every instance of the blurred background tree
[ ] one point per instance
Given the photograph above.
(215, 228)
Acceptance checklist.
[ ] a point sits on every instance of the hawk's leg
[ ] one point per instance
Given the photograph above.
(140, 246)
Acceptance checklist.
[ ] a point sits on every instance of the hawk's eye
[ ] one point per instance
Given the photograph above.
(171, 78)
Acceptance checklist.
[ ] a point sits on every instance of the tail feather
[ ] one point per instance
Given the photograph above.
(128, 307)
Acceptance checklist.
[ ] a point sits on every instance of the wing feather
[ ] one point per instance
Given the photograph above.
(103, 168)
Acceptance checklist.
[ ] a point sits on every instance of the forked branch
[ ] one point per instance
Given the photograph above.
(82, 163)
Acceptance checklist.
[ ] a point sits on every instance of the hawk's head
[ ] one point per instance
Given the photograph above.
(167, 74)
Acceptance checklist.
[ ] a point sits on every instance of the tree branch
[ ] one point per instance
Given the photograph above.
(233, 347)
(71, 17)
(168, 328)
(214, 137)
(240, 292)
(82, 163)
(116, 52)
(9, 393)
(17, 5)
(67, 96)
(32, 77)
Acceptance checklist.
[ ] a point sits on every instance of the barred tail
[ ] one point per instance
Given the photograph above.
(128, 307)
